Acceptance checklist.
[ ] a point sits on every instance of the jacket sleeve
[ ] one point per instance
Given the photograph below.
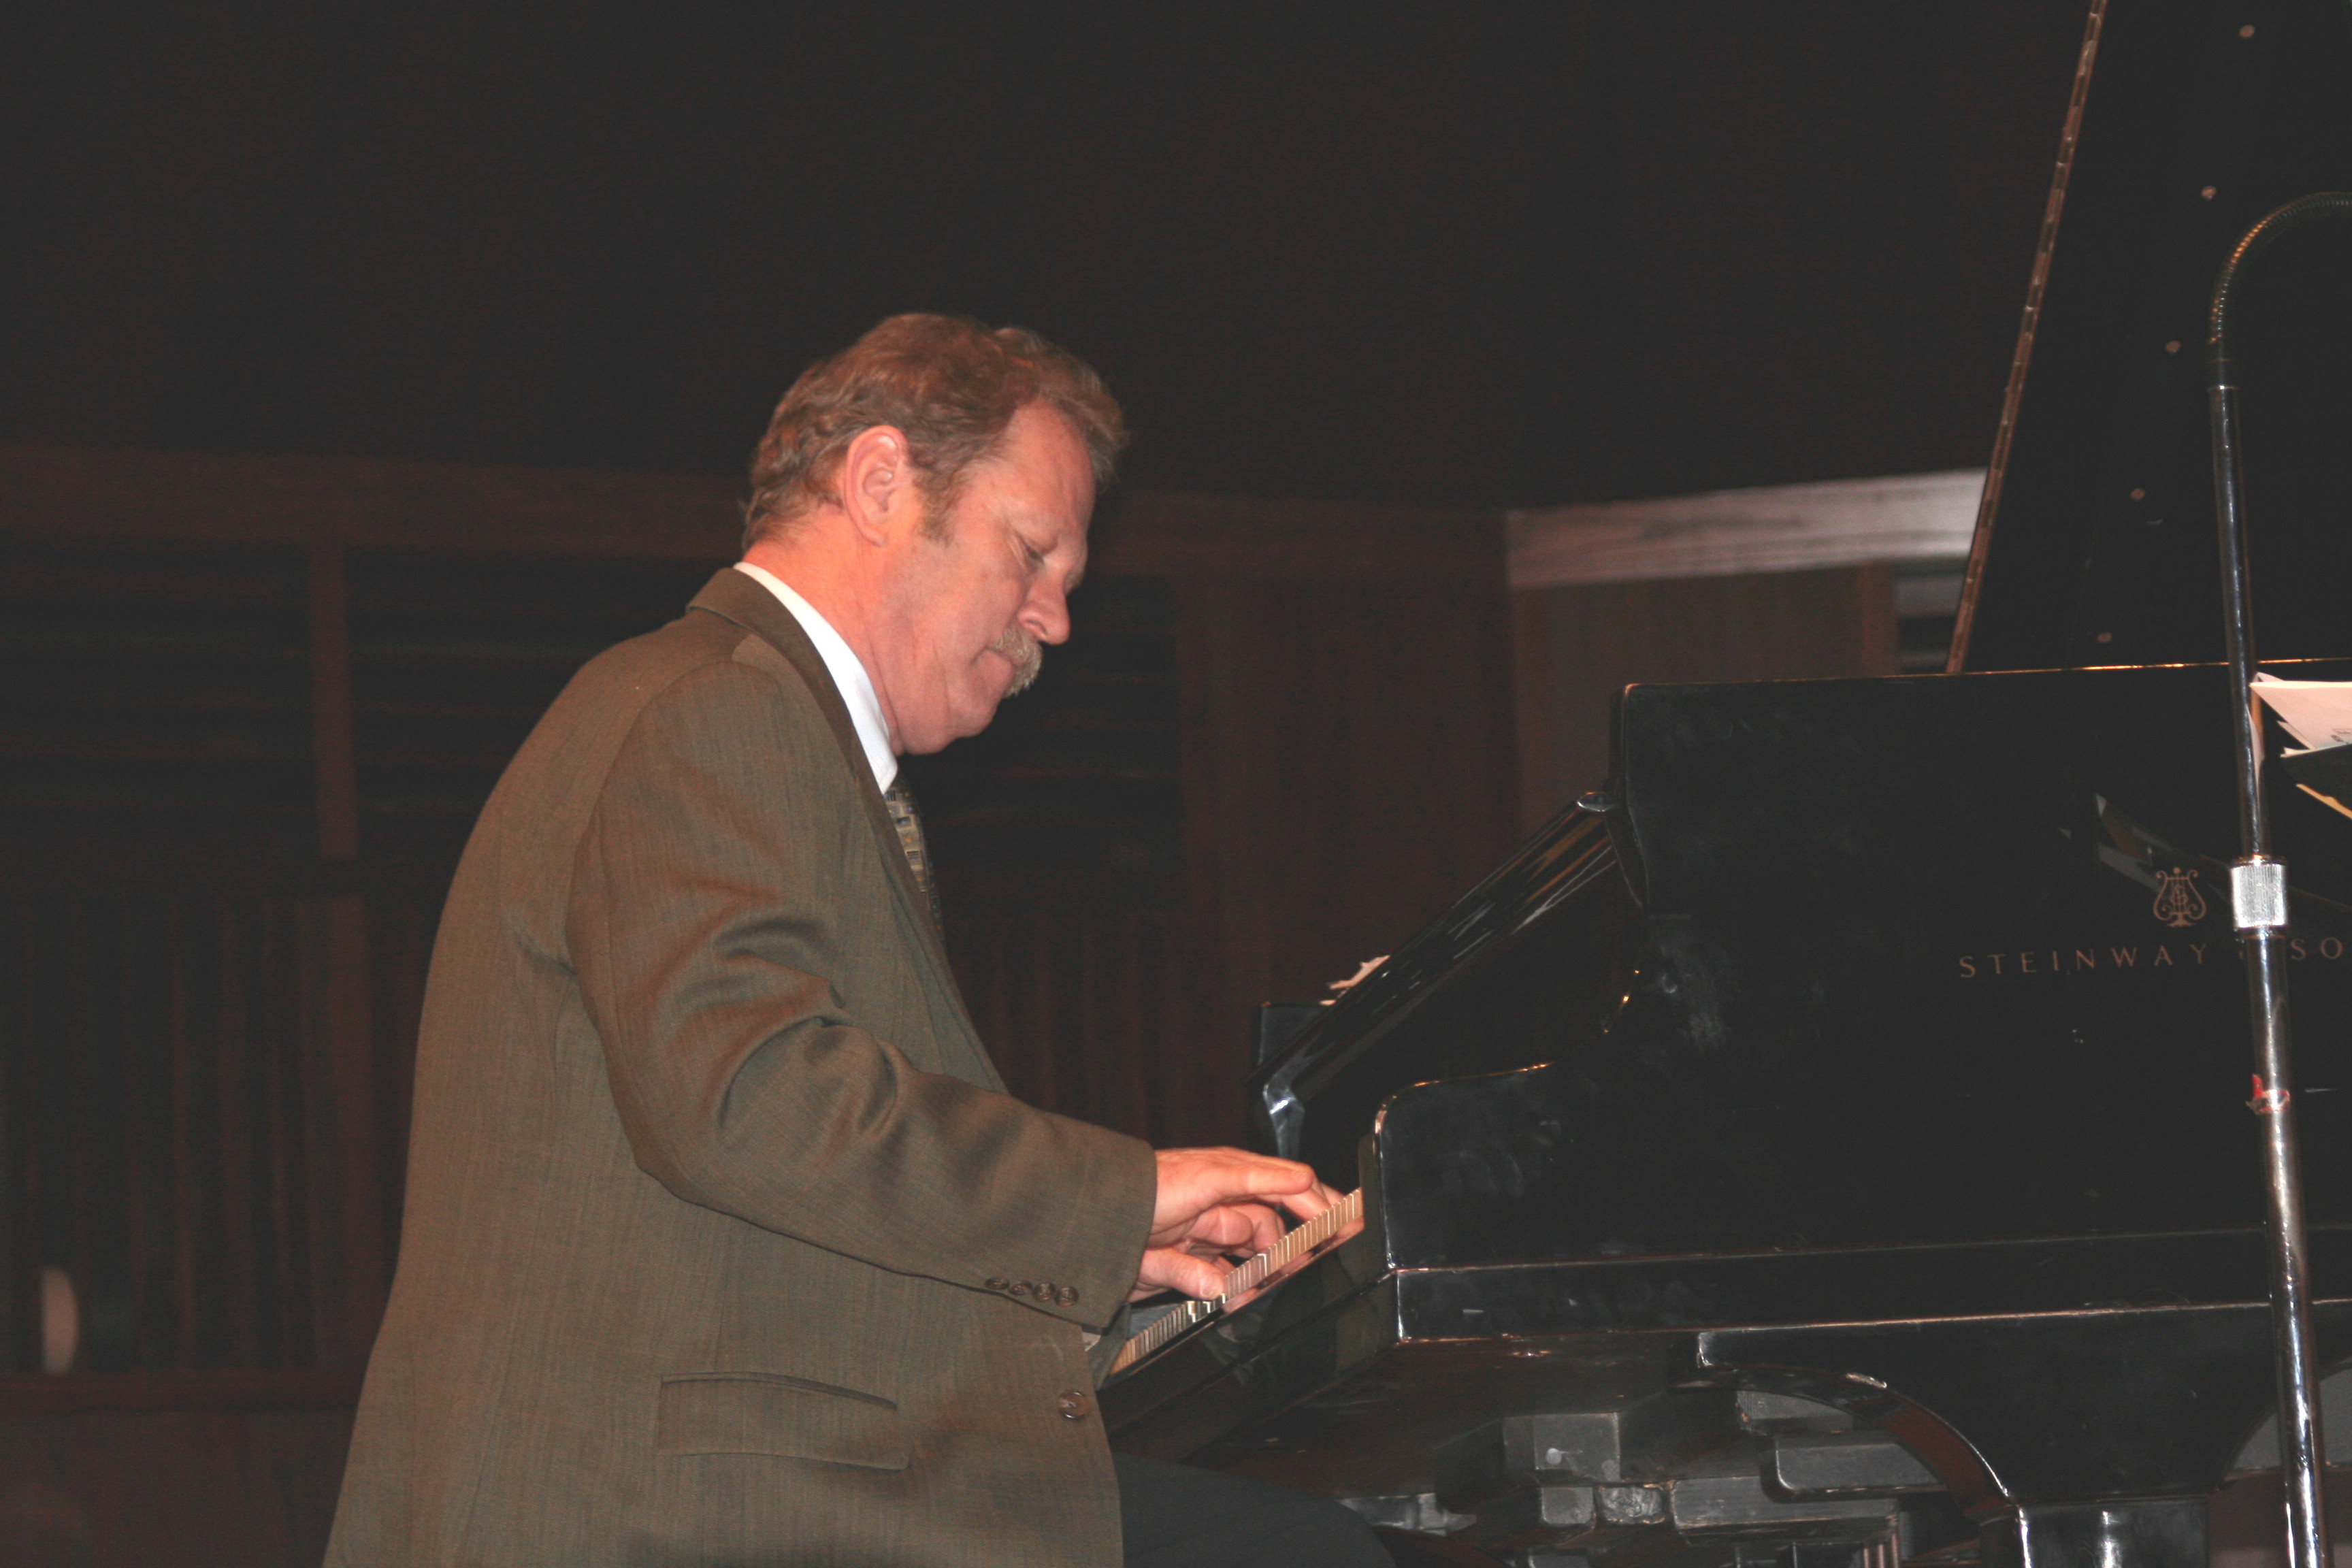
(705, 925)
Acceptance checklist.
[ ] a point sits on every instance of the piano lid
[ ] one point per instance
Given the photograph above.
(2095, 543)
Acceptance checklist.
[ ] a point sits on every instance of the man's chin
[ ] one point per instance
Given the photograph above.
(973, 719)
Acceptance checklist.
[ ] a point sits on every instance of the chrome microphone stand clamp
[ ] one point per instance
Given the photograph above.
(2259, 901)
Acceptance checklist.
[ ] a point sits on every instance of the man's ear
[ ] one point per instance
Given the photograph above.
(878, 482)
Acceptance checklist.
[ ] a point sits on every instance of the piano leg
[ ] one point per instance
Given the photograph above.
(2161, 1533)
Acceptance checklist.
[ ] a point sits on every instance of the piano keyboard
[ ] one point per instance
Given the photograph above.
(1292, 1249)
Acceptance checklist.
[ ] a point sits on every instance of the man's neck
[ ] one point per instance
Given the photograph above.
(819, 576)
(849, 672)
(831, 581)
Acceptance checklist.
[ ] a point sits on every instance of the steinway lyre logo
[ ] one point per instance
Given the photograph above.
(2178, 901)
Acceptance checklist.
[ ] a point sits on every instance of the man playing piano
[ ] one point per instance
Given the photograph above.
(723, 1243)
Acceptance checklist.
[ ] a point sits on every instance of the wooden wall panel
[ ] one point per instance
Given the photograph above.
(1351, 755)
(1577, 648)
(206, 1117)
(194, 1472)
(84, 494)
(206, 1036)
(225, 1489)
(1090, 1009)
(1347, 754)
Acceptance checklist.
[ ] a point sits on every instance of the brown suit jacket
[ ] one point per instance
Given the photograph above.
(723, 1243)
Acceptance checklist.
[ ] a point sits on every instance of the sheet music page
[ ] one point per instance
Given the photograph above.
(2317, 713)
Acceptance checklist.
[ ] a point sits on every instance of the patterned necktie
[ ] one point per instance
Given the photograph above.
(909, 824)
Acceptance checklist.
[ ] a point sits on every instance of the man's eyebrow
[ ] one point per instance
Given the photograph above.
(1019, 518)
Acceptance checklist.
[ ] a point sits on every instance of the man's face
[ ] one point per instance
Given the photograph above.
(967, 610)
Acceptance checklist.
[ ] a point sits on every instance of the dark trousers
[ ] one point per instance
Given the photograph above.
(1173, 1516)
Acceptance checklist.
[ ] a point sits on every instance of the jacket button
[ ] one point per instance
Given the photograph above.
(1000, 1284)
(1072, 1403)
(1023, 1287)
(1067, 1295)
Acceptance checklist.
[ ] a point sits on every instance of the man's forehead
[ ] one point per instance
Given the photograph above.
(1052, 468)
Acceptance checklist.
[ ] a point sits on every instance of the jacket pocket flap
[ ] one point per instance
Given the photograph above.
(767, 1413)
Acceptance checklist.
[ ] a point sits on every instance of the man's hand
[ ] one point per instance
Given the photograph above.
(1216, 1205)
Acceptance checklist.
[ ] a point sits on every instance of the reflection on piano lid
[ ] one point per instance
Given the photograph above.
(2096, 543)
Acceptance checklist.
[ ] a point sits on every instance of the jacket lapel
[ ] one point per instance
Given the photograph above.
(746, 602)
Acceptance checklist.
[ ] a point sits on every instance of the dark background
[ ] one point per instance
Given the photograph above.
(1463, 255)
(287, 291)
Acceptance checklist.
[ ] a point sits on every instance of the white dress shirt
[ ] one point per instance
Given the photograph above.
(855, 686)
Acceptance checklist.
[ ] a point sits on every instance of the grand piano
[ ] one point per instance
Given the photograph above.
(1827, 1143)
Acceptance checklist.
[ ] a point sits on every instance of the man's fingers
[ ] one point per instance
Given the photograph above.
(1313, 1201)
(1265, 1224)
(1191, 1250)
(1195, 1181)
(1198, 1178)
(1167, 1268)
(1231, 1229)
(1218, 1204)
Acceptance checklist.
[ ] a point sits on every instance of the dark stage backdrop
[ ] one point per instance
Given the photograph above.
(1450, 255)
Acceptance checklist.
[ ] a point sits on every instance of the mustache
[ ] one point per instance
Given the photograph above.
(1025, 653)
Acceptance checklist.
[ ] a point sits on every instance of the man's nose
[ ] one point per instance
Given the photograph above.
(1046, 615)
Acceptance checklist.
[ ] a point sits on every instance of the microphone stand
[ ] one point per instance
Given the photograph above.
(2259, 905)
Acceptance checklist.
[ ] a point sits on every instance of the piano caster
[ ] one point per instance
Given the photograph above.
(2160, 1532)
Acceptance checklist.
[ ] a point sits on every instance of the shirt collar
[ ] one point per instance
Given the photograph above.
(849, 676)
